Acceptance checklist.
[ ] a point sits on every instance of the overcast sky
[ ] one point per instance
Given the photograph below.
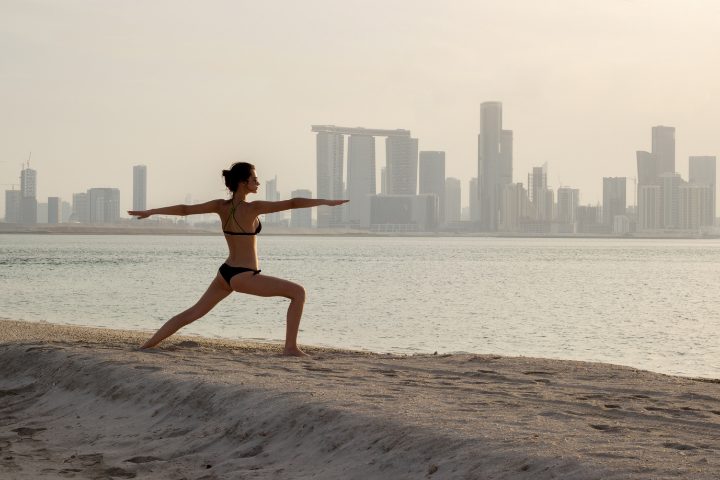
(187, 87)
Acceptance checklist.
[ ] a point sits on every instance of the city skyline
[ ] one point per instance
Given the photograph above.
(92, 89)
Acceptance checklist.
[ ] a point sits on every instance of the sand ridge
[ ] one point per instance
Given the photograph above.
(83, 403)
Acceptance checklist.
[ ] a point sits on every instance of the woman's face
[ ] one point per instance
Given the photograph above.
(252, 182)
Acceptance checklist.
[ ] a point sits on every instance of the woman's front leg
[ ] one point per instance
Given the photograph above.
(266, 286)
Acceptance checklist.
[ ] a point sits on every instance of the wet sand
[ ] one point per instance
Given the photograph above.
(84, 403)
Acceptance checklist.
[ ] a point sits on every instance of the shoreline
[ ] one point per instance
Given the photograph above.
(269, 230)
(83, 400)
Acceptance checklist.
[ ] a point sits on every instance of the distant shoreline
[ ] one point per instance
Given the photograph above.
(170, 229)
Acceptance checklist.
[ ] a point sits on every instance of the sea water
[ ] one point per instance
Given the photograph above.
(651, 304)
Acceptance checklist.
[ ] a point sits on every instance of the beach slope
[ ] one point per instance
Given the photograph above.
(84, 403)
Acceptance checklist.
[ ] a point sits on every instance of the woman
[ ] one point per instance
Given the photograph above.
(240, 271)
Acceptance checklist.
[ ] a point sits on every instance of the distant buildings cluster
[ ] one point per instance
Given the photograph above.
(94, 206)
(414, 195)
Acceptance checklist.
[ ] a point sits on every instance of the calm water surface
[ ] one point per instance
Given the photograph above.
(652, 304)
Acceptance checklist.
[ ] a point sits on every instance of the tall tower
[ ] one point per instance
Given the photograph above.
(494, 163)
(663, 148)
(330, 154)
(360, 178)
(453, 200)
(139, 187)
(703, 172)
(614, 198)
(401, 157)
(432, 178)
(646, 168)
(28, 195)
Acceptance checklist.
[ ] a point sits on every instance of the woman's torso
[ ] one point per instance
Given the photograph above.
(239, 218)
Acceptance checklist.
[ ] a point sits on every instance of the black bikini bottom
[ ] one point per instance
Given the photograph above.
(227, 272)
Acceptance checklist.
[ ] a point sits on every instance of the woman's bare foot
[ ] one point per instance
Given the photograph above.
(294, 352)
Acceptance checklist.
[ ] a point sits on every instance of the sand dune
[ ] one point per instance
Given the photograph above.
(82, 403)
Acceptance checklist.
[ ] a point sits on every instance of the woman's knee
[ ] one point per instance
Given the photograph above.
(298, 293)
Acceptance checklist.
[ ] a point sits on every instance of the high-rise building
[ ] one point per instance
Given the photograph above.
(139, 187)
(567, 204)
(12, 206)
(383, 181)
(542, 199)
(403, 213)
(103, 205)
(65, 212)
(515, 207)
(453, 200)
(703, 172)
(474, 205)
(360, 178)
(670, 199)
(301, 217)
(272, 195)
(80, 208)
(694, 206)
(401, 157)
(330, 156)
(28, 196)
(53, 215)
(614, 198)
(432, 178)
(663, 148)
(649, 207)
(494, 163)
(646, 168)
(399, 176)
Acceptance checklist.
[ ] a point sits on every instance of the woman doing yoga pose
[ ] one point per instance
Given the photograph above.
(240, 272)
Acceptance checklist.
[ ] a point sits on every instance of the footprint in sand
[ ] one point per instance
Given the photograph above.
(605, 428)
(27, 432)
(149, 368)
(679, 446)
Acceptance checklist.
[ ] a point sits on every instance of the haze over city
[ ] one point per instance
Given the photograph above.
(186, 89)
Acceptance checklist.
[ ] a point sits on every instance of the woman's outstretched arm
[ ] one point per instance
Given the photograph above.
(293, 203)
(208, 207)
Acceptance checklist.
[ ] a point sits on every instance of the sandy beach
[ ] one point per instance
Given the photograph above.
(84, 403)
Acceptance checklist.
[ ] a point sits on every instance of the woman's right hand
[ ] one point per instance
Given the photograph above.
(334, 203)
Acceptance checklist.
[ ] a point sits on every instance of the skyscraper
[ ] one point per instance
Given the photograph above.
(272, 195)
(432, 178)
(301, 217)
(614, 198)
(474, 205)
(670, 199)
(103, 205)
(139, 187)
(401, 157)
(330, 154)
(649, 207)
(663, 148)
(646, 168)
(28, 196)
(360, 178)
(80, 210)
(53, 210)
(494, 163)
(567, 204)
(12, 206)
(703, 172)
(453, 200)
(515, 205)
(694, 206)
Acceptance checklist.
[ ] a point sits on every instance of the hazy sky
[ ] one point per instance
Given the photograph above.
(187, 87)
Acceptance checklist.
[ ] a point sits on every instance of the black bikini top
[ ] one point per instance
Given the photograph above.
(232, 215)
